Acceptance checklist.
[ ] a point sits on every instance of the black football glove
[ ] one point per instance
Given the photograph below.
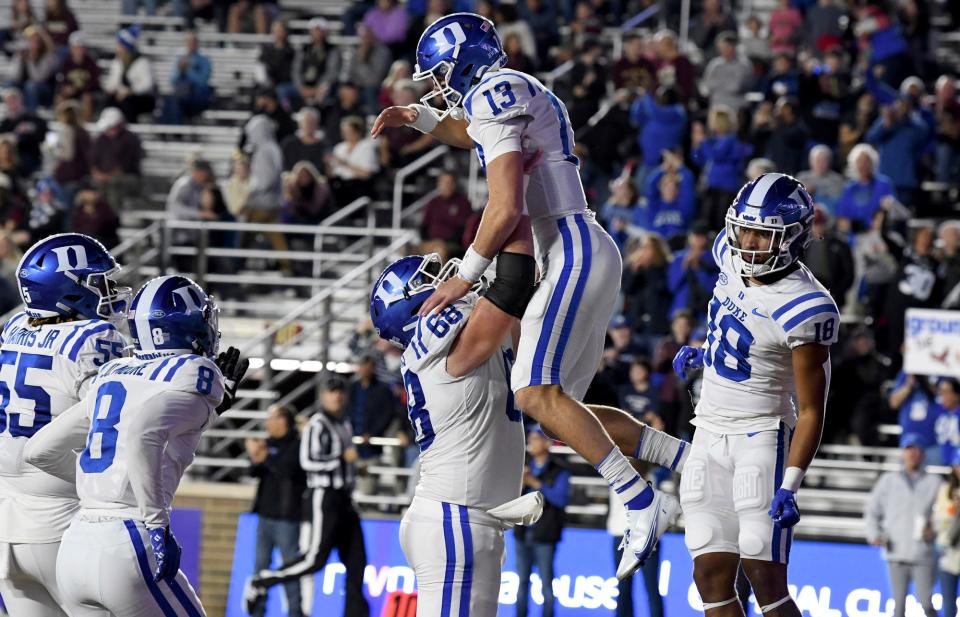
(233, 369)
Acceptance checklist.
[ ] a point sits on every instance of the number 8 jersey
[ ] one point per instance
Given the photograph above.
(748, 382)
(145, 416)
(469, 432)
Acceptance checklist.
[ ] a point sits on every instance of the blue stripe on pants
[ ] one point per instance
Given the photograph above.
(184, 599)
(546, 330)
(467, 562)
(777, 481)
(448, 575)
(586, 257)
(144, 564)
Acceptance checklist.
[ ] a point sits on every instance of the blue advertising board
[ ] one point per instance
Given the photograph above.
(827, 579)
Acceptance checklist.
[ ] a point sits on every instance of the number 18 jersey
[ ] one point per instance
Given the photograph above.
(469, 432)
(748, 382)
(44, 370)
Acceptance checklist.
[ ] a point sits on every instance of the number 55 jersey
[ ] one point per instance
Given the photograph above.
(748, 383)
(44, 370)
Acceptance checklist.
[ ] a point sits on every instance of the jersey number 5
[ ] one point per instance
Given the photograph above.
(41, 400)
(102, 439)
(507, 98)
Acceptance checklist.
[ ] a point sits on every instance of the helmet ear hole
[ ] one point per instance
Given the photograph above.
(467, 70)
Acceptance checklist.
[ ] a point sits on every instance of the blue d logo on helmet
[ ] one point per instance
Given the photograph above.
(68, 275)
(402, 287)
(778, 209)
(173, 314)
(456, 51)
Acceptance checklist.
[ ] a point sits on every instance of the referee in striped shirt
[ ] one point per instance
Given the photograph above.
(327, 456)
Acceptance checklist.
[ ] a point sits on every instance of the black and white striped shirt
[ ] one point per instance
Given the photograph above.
(321, 452)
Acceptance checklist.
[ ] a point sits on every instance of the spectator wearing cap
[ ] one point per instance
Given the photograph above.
(79, 76)
(318, 65)
(536, 544)
(183, 201)
(129, 85)
(727, 76)
(275, 68)
(275, 462)
(662, 121)
(829, 258)
(946, 520)
(787, 146)
(115, 161)
(900, 139)
(371, 407)
(865, 193)
(27, 128)
(823, 183)
(693, 273)
(912, 397)
(645, 289)
(388, 21)
(633, 70)
(367, 67)
(711, 23)
(93, 216)
(34, 67)
(722, 157)
(444, 218)
(307, 144)
(899, 518)
(60, 22)
(345, 104)
(190, 80)
(72, 149)
(947, 424)
(674, 70)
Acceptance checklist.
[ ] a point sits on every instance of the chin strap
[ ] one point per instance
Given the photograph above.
(708, 605)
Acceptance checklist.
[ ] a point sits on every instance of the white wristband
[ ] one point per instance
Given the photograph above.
(792, 478)
(473, 265)
(426, 120)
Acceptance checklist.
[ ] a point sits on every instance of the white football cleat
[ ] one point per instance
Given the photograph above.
(644, 528)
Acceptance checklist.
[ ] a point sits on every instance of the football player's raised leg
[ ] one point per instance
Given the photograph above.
(642, 442)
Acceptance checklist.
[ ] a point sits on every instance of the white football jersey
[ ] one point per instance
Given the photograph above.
(748, 380)
(510, 111)
(469, 432)
(44, 371)
(145, 419)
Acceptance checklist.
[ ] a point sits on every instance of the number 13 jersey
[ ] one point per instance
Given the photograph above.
(748, 382)
(469, 432)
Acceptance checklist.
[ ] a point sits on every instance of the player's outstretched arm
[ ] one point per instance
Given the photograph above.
(450, 131)
(53, 447)
(811, 372)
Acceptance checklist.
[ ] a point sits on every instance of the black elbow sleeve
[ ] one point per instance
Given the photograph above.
(515, 283)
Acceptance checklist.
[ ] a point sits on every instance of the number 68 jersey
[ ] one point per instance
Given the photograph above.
(748, 382)
(145, 418)
(469, 432)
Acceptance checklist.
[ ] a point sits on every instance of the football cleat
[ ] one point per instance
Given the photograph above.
(644, 528)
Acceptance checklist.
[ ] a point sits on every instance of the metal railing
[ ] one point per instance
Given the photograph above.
(403, 173)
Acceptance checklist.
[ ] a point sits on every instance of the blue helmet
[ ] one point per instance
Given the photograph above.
(68, 275)
(456, 51)
(777, 206)
(402, 287)
(173, 314)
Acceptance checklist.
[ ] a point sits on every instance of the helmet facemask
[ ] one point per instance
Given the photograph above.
(114, 299)
(440, 74)
(774, 253)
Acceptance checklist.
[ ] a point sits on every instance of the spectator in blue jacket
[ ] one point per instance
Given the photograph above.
(190, 80)
(620, 209)
(865, 193)
(662, 121)
(723, 158)
(693, 274)
(911, 396)
(947, 422)
(672, 165)
(665, 212)
(900, 139)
